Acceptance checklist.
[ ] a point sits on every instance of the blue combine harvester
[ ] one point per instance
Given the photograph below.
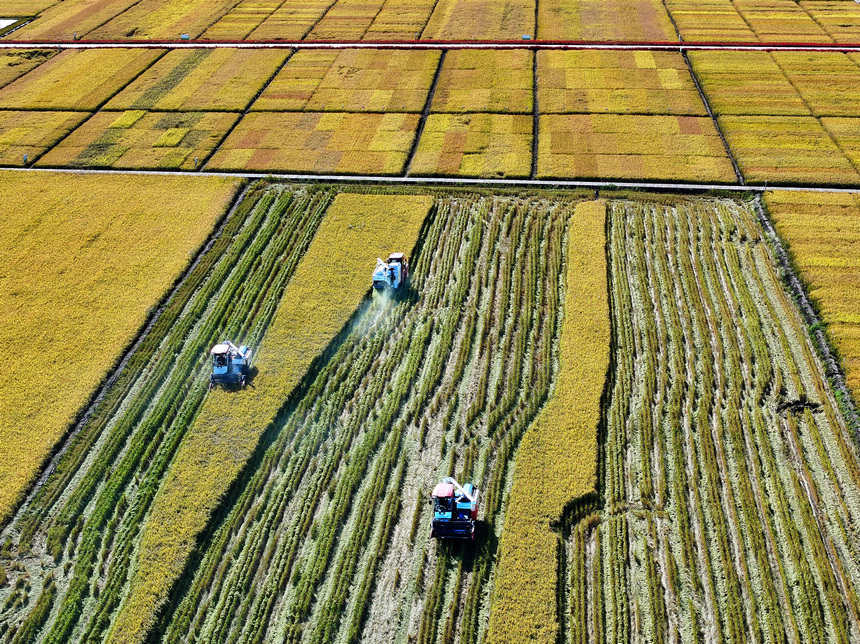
(391, 274)
(455, 510)
(229, 364)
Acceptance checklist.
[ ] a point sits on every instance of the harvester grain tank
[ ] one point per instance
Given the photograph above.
(455, 510)
(229, 364)
(391, 274)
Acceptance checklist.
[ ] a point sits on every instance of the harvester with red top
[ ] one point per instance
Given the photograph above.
(455, 510)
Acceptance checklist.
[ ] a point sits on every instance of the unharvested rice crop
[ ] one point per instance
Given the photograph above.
(85, 258)
(840, 19)
(167, 19)
(683, 148)
(15, 64)
(346, 20)
(400, 20)
(475, 145)
(217, 80)
(291, 21)
(141, 139)
(318, 142)
(33, 133)
(620, 82)
(846, 134)
(244, 18)
(829, 83)
(746, 83)
(485, 81)
(69, 17)
(781, 21)
(80, 79)
(311, 313)
(24, 8)
(556, 463)
(787, 149)
(353, 80)
(481, 20)
(729, 481)
(709, 21)
(823, 233)
(637, 20)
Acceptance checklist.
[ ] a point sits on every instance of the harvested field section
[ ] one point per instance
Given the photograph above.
(327, 540)
(682, 148)
(14, 64)
(241, 20)
(823, 234)
(481, 20)
(91, 255)
(69, 17)
(400, 20)
(637, 20)
(485, 81)
(619, 82)
(33, 133)
(140, 139)
(77, 79)
(475, 145)
(166, 19)
(216, 80)
(318, 142)
(730, 484)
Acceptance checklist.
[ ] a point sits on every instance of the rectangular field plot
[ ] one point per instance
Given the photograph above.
(164, 19)
(475, 145)
(77, 79)
(631, 20)
(619, 82)
(354, 80)
(291, 21)
(33, 133)
(746, 83)
(242, 20)
(829, 83)
(318, 142)
(781, 21)
(840, 19)
(481, 20)
(683, 148)
(710, 21)
(201, 79)
(346, 20)
(15, 64)
(846, 133)
(485, 81)
(786, 149)
(69, 17)
(400, 20)
(24, 8)
(140, 139)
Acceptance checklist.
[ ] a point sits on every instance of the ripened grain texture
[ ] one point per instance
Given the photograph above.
(787, 149)
(86, 258)
(167, 19)
(77, 79)
(481, 20)
(823, 235)
(781, 21)
(640, 20)
(314, 308)
(476, 145)
(400, 20)
(69, 17)
(33, 133)
(14, 64)
(839, 19)
(346, 20)
(683, 148)
(217, 80)
(354, 80)
(620, 82)
(709, 21)
(318, 142)
(14, 8)
(827, 82)
(291, 21)
(556, 463)
(485, 81)
(141, 139)
(729, 481)
(240, 21)
(846, 133)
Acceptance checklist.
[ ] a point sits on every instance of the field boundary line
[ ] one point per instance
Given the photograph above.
(425, 113)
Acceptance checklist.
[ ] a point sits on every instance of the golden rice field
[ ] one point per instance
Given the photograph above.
(291, 21)
(599, 20)
(241, 20)
(65, 19)
(33, 133)
(346, 20)
(167, 19)
(15, 64)
(481, 20)
(839, 19)
(400, 20)
(19, 8)
(485, 81)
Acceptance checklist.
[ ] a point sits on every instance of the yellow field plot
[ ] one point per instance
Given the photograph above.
(485, 81)
(746, 82)
(33, 133)
(292, 21)
(475, 145)
(85, 259)
(400, 20)
(839, 18)
(70, 17)
(786, 149)
(79, 79)
(846, 133)
(592, 81)
(346, 20)
(823, 233)
(314, 308)
(318, 142)
(781, 21)
(607, 146)
(481, 20)
(14, 64)
(600, 20)
(711, 21)
(558, 454)
(23, 8)
(164, 19)
(201, 79)
(242, 20)
(295, 84)
(828, 82)
(139, 139)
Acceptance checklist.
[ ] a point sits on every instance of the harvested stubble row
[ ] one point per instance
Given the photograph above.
(485, 81)
(327, 538)
(636, 20)
(78, 534)
(70, 17)
(33, 133)
(823, 234)
(17, 63)
(730, 483)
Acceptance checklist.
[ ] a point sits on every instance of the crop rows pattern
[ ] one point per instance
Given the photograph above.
(728, 478)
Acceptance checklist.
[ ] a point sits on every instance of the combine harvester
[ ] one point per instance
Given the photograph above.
(391, 275)
(229, 364)
(455, 510)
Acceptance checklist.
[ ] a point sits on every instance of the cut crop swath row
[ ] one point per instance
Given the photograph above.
(730, 482)
(74, 542)
(328, 539)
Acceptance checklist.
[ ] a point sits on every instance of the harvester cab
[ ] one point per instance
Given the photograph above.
(391, 274)
(229, 364)
(455, 510)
